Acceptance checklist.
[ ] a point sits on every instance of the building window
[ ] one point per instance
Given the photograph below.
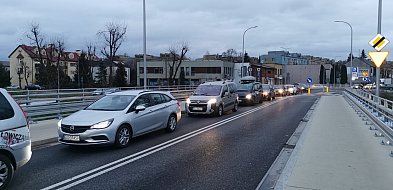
(188, 73)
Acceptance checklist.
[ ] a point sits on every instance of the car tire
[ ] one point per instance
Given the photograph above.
(123, 136)
(235, 107)
(172, 123)
(6, 171)
(220, 111)
(252, 102)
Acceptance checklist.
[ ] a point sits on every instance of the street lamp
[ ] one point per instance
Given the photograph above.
(244, 33)
(350, 81)
(144, 46)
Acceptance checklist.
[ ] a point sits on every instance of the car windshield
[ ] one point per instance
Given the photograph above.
(265, 87)
(279, 87)
(111, 103)
(244, 87)
(208, 90)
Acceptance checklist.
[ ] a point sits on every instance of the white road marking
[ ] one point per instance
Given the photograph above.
(129, 159)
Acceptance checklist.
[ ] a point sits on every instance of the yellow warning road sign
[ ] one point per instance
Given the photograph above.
(379, 42)
(378, 57)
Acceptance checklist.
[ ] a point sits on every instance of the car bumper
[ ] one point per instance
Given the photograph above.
(90, 137)
(205, 109)
(22, 155)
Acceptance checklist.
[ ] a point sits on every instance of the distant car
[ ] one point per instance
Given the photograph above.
(280, 90)
(317, 86)
(291, 89)
(213, 98)
(15, 143)
(369, 86)
(111, 90)
(268, 92)
(116, 118)
(249, 93)
(13, 87)
(99, 91)
(33, 87)
(301, 87)
(357, 86)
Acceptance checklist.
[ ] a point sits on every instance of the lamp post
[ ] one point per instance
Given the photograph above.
(244, 33)
(379, 30)
(350, 81)
(144, 46)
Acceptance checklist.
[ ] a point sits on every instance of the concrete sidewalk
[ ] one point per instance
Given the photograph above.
(337, 151)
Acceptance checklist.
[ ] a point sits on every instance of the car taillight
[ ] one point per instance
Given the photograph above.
(24, 113)
(178, 103)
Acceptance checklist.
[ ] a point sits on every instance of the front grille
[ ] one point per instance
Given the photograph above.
(192, 106)
(199, 101)
(74, 129)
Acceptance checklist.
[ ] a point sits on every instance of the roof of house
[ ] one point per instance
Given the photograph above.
(358, 62)
(30, 51)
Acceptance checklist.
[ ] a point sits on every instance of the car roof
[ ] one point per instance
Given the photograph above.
(217, 83)
(136, 92)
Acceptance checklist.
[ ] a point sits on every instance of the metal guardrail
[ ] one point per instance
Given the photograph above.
(51, 104)
(380, 109)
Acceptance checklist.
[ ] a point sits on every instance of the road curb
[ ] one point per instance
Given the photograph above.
(43, 142)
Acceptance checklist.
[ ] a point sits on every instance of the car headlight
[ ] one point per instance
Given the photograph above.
(265, 93)
(280, 91)
(59, 123)
(188, 101)
(290, 89)
(212, 101)
(248, 96)
(102, 124)
(302, 88)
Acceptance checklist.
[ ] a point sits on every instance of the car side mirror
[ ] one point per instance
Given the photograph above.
(140, 108)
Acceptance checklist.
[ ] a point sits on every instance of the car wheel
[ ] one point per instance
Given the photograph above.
(123, 136)
(220, 111)
(235, 107)
(252, 102)
(172, 123)
(6, 171)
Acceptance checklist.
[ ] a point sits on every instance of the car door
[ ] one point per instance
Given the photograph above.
(225, 97)
(232, 93)
(143, 121)
(159, 109)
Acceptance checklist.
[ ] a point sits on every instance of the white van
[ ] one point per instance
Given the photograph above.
(15, 143)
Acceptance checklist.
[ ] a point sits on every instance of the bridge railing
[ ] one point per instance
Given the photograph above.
(51, 104)
(379, 109)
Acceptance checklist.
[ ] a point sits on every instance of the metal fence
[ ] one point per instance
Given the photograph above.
(50, 104)
(380, 109)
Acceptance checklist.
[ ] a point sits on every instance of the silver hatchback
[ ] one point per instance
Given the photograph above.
(116, 118)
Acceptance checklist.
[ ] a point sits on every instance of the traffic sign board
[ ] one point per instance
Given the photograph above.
(258, 69)
(354, 69)
(309, 80)
(378, 57)
(379, 42)
(250, 69)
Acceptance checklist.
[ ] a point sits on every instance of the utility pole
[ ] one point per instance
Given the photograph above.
(379, 31)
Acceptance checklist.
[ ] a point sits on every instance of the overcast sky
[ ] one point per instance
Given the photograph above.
(302, 26)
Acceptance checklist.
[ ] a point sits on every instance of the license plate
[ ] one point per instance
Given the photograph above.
(197, 108)
(71, 138)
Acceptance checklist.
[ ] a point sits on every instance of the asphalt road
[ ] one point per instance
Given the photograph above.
(231, 152)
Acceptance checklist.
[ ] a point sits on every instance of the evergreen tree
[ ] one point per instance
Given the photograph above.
(102, 75)
(322, 75)
(246, 58)
(331, 75)
(343, 75)
(84, 72)
(5, 79)
(182, 77)
(349, 57)
(363, 55)
(120, 76)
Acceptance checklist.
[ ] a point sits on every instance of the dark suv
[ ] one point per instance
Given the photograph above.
(249, 93)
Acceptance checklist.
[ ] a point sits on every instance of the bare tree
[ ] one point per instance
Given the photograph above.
(26, 72)
(113, 35)
(178, 54)
(231, 55)
(37, 39)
